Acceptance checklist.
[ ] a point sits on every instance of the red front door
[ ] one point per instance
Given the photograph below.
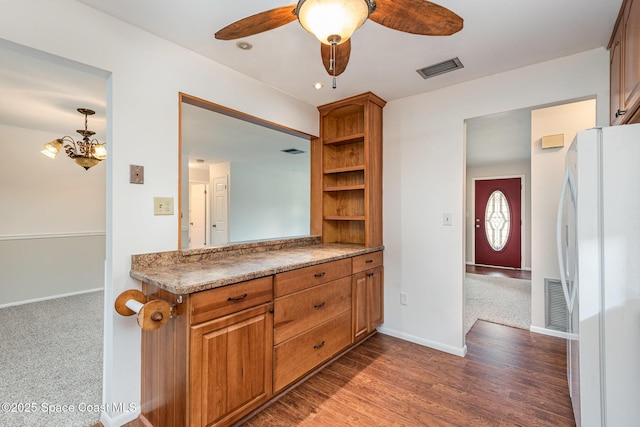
(497, 222)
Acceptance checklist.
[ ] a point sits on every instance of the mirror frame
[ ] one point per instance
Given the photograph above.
(216, 108)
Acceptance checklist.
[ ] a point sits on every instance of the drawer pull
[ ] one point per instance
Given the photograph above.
(319, 275)
(371, 274)
(319, 346)
(317, 306)
(241, 297)
(369, 261)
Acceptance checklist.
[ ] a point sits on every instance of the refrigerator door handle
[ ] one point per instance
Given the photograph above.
(567, 184)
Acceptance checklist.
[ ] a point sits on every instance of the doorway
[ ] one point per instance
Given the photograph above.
(498, 222)
(198, 202)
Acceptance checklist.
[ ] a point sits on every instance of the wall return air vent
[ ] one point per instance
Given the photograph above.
(441, 68)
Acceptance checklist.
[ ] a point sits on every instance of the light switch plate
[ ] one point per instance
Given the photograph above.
(136, 174)
(163, 205)
(447, 219)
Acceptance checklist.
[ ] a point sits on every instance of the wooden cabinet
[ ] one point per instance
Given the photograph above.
(367, 294)
(213, 363)
(230, 366)
(624, 49)
(347, 172)
(312, 319)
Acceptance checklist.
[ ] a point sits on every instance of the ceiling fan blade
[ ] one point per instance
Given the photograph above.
(257, 23)
(343, 51)
(416, 17)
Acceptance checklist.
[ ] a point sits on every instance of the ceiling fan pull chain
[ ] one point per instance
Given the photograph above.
(332, 63)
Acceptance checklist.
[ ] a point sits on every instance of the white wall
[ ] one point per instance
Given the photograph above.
(424, 177)
(547, 170)
(267, 203)
(142, 115)
(52, 221)
(492, 171)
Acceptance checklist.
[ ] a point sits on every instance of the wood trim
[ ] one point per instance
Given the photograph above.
(618, 21)
(217, 108)
(316, 187)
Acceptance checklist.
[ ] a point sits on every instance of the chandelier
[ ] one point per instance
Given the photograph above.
(86, 152)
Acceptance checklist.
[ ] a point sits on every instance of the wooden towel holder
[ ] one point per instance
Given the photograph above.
(152, 313)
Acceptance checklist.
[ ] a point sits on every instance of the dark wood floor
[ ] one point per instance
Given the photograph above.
(510, 377)
(500, 272)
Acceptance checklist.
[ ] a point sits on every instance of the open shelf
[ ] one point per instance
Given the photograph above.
(344, 169)
(347, 139)
(343, 230)
(345, 187)
(348, 202)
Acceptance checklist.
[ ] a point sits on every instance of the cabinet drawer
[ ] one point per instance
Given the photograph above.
(367, 261)
(207, 305)
(303, 278)
(301, 354)
(300, 311)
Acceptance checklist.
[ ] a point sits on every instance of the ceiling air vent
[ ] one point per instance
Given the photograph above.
(292, 151)
(441, 68)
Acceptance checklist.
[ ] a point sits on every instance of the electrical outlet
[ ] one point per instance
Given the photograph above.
(163, 205)
(403, 298)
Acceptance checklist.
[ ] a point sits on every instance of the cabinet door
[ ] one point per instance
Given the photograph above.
(368, 302)
(615, 55)
(631, 58)
(231, 366)
(375, 298)
(359, 298)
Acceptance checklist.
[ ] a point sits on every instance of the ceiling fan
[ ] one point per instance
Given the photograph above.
(334, 21)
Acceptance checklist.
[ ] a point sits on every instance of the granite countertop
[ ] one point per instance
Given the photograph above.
(185, 272)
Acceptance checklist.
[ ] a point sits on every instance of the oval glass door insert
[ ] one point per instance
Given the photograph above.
(497, 220)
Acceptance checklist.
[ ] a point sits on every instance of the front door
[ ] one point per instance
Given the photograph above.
(497, 222)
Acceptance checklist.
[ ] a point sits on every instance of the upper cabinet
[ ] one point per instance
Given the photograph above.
(347, 172)
(624, 49)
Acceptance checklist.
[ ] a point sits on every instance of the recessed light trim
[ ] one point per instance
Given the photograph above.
(318, 85)
(242, 45)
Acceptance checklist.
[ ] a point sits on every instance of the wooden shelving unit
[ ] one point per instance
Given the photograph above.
(347, 172)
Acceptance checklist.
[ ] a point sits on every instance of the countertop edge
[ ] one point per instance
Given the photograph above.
(248, 275)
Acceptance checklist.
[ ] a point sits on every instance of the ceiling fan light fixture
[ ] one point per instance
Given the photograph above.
(333, 21)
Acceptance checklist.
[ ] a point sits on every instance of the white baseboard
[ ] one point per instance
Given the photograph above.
(551, 332)
(456, 351)
(119, 420)
(70, 294)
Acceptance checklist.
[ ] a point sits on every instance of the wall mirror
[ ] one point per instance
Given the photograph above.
(241, 178)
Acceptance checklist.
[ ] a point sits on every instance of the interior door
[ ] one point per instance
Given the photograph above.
(220, 221)
(498, 239)
(197, 215)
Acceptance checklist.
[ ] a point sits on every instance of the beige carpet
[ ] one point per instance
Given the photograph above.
(51, 362)
(497, 299)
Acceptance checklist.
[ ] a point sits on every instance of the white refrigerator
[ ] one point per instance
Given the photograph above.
(599, 258)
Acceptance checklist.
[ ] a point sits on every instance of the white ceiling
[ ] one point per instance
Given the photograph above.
(498, 35)
(40, 91)
(499, 138)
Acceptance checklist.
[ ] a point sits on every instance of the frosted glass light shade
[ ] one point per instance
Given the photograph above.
(100, 151)
(51, 149)
(327, 18)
